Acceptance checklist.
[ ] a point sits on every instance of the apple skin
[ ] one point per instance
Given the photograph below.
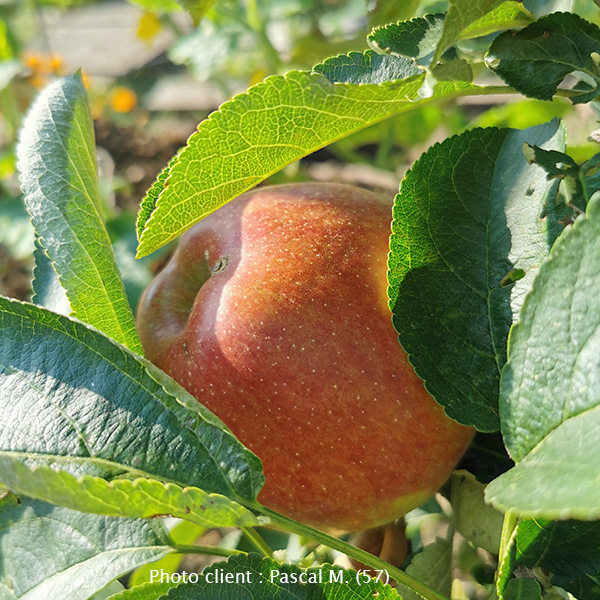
(273, 313)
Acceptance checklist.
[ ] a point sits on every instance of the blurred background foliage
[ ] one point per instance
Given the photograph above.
(152, 76)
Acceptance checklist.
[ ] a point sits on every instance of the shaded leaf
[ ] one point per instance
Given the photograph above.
(524, 588)
(47, 291)
(147, 591)
(468, 212)
(57, 163)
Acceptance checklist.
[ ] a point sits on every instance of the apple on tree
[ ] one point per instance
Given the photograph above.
(273, 313)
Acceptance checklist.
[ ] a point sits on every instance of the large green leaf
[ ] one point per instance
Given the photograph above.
(550, 392)
(536, 59)
(53, 553)
(256, 134)
(72, 399)
(471, 218)
(57, 162)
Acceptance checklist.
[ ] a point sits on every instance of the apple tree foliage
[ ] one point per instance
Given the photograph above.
(494, 285)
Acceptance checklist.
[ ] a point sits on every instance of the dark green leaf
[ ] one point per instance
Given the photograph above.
(524, 588)
(57, 162)
(46, 551)
(89, 406)
(536, 59)
(468, 213)
(570, 550)
(416, 38)
(367, 67)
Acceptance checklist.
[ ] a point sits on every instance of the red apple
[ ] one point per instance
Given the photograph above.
(273, 313)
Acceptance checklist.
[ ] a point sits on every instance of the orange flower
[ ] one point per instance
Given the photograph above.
(123, 99)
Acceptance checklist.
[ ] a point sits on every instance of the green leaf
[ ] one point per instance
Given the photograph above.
(259, 132)
(263, 578)
(478, 522)
(147, 591)
(90, 407)
(536, 59)
(367, 67)
(524, 588)
(458, 231)
(416, 38)
(433, 567)
(543, 389)
(57, 161)
(149, 201)
(559, 478)
(140, 498)
(550, 394)
(570, 550)
(505, 16)
(46, 550)
(467, 19)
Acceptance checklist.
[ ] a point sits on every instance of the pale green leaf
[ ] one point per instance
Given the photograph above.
(559, 478)
(46, 551)
(184, 533)
(57, 163)
(477, 521)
